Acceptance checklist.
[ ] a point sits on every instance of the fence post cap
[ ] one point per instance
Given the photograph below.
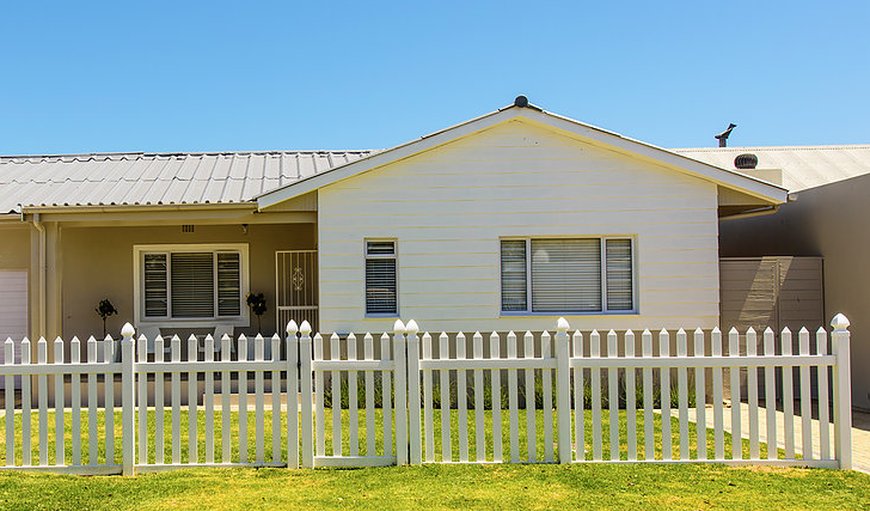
(398, 327)
(305, 327)
(127, 330)
(840, 322)
(412, 327)
(292, 327)
(562, 325)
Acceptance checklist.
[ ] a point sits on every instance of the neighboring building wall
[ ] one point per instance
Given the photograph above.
(448, 208)
(98, 263)
(828, 221)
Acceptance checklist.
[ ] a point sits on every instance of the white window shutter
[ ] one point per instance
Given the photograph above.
(620, 284)
(514, 278)
(155, 286)
(229, 284)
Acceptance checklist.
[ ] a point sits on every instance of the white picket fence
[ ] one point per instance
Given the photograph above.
(416, 402)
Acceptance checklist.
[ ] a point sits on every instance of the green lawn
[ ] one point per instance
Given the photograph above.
(585, 486)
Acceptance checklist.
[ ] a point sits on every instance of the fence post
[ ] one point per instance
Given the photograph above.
(400, 357)
(563, 392)
(842, 392)
(128, 400)
(292, 345)
(307, 393)
(414, 430)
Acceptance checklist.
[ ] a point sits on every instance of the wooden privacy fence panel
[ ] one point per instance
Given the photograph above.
(410, 398)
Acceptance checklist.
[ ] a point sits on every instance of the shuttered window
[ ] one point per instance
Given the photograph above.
(582, 275)
(192, 285)
(381, 292)
(620, 282)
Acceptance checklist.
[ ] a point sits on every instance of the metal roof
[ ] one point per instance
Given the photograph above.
(802, 166)
(118, 179)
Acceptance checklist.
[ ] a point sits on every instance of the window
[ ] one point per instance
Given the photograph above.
(567, 275)
(381, 295)
(191, 282)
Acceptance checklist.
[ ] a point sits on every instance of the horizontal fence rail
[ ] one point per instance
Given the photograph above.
(409, 397)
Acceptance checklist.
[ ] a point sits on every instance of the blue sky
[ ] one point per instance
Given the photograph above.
(206, 76)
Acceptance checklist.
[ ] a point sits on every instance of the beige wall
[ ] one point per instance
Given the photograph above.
(15, 247)
(98, 263)
(448, 208)
(828, 221)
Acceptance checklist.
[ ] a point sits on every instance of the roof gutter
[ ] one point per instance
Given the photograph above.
(763, 211)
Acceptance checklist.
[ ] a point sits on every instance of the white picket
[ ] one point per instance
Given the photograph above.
(479, 430)
(243, 401)
(305, 354)
(648, 425)
(787, 394)
(513, 408)
(335, 382)
(175, 384)
(495, 403)
(824, 416)
(226, 388)
(401, 389)
(75, 402)
(415, 439)
(275, 381)
(682, 395)
(387, 399)
(192, 419)
(806, 404)
(613, 395)
(352, 397)
(462, 399)
(209, 401)
(259, 403)
(109, 399)
(734, 374)
(630, 399)
(369, 354)
(531, 419)
(428, 413)
(547, 385)
(595, 352)
(444, 385)
(59, 399)
(159, 442)
(752, 394)
(665, 391)
(26, 448)
(700, 397)
(42, 401)
(579, 400)
(319, 394)
(770, 394)
(9, 401)
(291, 343)
(718, 412)
(142, 383)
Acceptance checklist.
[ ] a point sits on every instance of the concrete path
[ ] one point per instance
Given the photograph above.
(860, 431)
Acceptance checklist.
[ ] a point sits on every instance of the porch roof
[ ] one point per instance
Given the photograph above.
(136, 179)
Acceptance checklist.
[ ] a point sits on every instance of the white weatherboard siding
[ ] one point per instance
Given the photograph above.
(13, 314)
(448, 208)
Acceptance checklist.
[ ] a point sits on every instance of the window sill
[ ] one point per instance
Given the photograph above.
(512, 314)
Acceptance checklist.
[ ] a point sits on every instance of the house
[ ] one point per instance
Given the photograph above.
(506, 221)
(826, 218)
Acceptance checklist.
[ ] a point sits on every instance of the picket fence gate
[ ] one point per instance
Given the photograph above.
(411, 383)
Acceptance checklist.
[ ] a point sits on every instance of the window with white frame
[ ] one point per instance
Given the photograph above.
(381, 282)
(191, 282)
(567, 275)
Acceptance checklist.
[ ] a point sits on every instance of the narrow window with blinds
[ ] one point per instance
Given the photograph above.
(579, 275)
(381, 292)
(192, 285)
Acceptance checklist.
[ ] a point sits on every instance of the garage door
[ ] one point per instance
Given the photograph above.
(13, 312)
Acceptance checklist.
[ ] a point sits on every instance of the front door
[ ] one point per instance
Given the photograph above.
(296, 287)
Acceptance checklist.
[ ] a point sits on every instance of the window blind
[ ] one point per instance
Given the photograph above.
(155, 285)
(381, 297)
(192, 282)
(229, 284)
(514, 289)
(566, 275)
(620, 287)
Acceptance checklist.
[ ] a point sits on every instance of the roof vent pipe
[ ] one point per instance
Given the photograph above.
(521, 101)
(723, 137)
